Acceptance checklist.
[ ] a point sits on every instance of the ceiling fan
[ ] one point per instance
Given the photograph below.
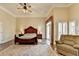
(25, 7)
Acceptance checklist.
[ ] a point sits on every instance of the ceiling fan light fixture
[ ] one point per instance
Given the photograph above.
(25, 7)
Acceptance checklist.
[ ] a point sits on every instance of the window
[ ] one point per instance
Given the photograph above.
(66, 28)
(62, 29)
(72, 27)
(59, 30)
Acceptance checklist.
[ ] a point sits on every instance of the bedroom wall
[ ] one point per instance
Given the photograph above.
(36, 22)
(65, 14)
(59, 14)
(74, 11)
(74, 15)
(7, 26)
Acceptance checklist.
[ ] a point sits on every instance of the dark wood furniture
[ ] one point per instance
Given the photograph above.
(28, 30)
(39, 36)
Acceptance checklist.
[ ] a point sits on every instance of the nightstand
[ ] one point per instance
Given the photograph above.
(39, 36)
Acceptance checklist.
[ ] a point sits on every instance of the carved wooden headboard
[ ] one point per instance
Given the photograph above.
(30, 29)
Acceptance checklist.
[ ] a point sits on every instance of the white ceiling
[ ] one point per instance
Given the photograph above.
(38, 9)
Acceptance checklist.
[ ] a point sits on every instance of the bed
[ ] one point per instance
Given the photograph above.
(29, 36)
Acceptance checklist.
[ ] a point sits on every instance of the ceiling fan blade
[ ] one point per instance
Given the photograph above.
(29, 10)
(21, 4)
(29, 6)
(19, 8)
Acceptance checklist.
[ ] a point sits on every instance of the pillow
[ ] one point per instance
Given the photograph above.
(69, 42)
(17, 35)
(76, 46)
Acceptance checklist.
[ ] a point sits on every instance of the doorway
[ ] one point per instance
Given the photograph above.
(49, 31)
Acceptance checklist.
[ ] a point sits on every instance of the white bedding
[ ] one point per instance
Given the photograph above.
(28, 36)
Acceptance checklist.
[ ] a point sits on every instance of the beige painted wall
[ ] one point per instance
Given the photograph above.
(60, 14)
(25, 22)
(74, 15)
(74, 11)
(8, 26)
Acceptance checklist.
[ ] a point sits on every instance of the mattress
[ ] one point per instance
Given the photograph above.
(28, 36)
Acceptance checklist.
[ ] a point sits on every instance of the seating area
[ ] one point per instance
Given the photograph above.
(68, 45)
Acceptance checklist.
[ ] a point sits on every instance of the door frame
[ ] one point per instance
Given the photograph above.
(50, 19)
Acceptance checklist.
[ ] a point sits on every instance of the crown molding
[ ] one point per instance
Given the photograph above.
(30, 16)
(5, 10)
(68, 5)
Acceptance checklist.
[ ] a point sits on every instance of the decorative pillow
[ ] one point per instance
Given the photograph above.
(69, 42)
(76, 46)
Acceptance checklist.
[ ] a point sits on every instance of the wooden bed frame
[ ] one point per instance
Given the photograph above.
(28, 41)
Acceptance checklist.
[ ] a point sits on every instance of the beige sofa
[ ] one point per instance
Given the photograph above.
(68, 45)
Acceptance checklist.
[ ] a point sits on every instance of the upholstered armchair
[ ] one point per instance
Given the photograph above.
(68, 45)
